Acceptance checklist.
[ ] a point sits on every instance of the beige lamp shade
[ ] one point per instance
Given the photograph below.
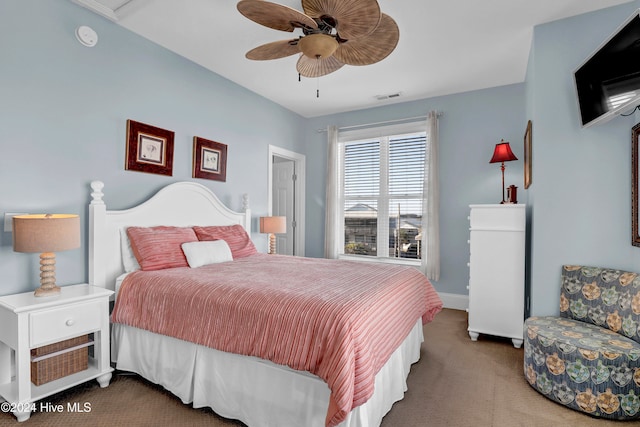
(273, 224)
(46, 234)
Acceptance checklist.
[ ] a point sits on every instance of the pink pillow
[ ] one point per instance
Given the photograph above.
(235, 236)
(157, 248)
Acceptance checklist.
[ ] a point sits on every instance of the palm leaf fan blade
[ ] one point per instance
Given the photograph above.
(274, 50)
(354, 18)
(373, 47)
(312, 67)
(273, 15)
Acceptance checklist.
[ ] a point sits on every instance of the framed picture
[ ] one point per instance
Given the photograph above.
(149, 149)
(209, 159)
(635, 187)
(527, 156)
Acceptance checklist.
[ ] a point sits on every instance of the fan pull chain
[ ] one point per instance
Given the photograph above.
(317, 85)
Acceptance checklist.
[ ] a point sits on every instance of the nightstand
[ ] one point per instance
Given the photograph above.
(30, 322)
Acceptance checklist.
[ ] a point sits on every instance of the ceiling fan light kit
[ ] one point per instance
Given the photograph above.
(316, 46)
(334, 33)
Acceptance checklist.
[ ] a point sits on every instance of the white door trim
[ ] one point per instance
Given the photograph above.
(300, 192)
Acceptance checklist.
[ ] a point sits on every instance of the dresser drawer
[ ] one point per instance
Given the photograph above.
(498, 217)
(57, 324)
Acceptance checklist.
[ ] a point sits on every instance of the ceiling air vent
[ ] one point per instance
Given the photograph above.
(389, 96)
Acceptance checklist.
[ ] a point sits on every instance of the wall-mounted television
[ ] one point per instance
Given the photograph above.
(608, 82)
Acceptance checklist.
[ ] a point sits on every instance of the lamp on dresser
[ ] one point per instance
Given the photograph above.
(46, 234)
(502, 153)
(273, 225)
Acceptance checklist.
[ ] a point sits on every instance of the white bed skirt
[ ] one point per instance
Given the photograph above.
(252, 390)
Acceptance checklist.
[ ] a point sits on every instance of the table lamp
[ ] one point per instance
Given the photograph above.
(273, 225)
(46, 234)
(502, 153)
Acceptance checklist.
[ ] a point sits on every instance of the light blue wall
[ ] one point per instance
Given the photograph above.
(579, 203)
(580, 198)
(63, 114)
(64, 109)
(470, 126)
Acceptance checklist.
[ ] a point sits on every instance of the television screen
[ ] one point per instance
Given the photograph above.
(608, 82)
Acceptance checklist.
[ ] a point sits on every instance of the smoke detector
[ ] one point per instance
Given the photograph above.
(86, 36)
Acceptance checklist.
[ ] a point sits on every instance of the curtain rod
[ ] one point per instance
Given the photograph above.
(380, 123)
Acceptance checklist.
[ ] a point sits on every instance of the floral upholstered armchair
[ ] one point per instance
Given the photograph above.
(588, 359)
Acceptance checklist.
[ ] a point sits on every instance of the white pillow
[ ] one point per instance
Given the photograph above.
(206, 252)
(129, 260)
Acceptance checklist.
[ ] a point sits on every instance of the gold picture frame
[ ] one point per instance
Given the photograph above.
(527, 155)
(635, 186)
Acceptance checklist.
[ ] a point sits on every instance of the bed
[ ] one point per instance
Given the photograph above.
(269, 340)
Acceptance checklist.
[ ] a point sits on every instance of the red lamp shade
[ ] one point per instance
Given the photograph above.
(503, 153)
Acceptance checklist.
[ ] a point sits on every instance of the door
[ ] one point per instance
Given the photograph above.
(283, 200)
(286, 188)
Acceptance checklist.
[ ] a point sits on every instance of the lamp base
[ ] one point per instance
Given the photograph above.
(47, 276)
(47, 292)
(272, 243)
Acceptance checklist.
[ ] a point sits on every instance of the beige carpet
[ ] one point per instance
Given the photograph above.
(456, 383)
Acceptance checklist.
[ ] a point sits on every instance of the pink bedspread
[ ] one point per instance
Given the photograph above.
(339, 320)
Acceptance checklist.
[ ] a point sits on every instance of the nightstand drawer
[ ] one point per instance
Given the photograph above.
(57, 324)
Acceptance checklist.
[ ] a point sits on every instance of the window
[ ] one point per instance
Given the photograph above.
(381, 193)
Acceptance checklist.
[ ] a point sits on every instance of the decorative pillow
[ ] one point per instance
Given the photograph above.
(129, 260)
(157, 248)
(235, 236)
(206, 252)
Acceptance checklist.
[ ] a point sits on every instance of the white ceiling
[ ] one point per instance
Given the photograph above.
(445, 47)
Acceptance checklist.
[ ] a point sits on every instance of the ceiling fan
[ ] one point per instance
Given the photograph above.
(334, 33)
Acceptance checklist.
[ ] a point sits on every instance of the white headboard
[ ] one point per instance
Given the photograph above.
(181, 204)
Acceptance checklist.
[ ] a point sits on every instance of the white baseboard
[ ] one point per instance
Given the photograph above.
(454, 301)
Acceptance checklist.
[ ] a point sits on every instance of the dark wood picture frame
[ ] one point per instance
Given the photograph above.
(635, 177)
(149, 149)
(209, 159)
(528, 139)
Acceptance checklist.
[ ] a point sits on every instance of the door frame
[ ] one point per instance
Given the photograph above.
(299, 207)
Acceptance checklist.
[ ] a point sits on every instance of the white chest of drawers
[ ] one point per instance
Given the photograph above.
(497, 271)
(29, 322)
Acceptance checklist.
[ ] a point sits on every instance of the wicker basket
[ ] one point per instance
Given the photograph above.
(47, 369)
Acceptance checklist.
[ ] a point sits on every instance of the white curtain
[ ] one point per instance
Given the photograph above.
(431, 202)
(331, 218)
